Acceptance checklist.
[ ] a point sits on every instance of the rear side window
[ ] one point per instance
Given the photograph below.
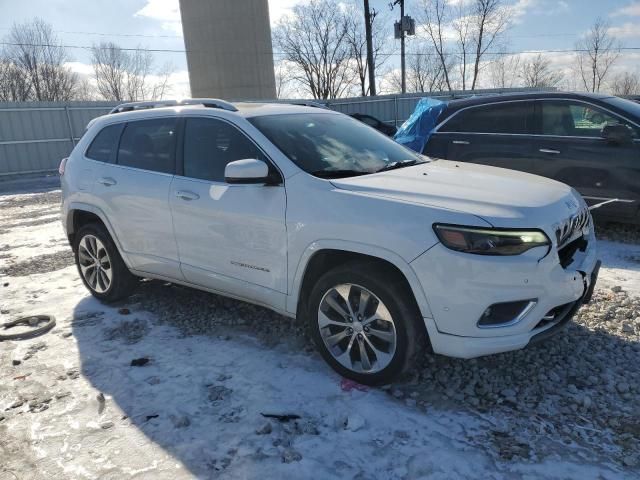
(149, 145)
(372, 122)
(577, 119)
(210, 144)
(104, 146)
(509, 118)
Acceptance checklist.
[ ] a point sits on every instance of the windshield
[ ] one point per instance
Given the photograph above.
(330, 146)
(632, 108)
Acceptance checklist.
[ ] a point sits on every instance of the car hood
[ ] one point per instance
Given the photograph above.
(504, 198)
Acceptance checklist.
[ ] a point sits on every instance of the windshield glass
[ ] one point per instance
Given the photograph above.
(632, 108)
(328, 145)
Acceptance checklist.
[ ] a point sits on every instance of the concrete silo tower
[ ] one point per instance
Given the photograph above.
(229, 50)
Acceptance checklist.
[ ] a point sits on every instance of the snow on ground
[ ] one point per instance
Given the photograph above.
(621, 266)
(73, 406)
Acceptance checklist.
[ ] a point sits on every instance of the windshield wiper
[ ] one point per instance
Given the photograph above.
(338, 173)
(395, 165)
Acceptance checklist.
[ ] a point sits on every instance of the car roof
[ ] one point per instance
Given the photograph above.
(505, 97)
(242, 109)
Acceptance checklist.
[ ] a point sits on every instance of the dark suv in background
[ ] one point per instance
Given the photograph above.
(588, 141)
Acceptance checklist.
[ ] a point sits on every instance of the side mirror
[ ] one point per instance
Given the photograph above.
(247, 171)
(616, 133)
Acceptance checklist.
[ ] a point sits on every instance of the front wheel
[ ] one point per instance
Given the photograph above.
(100, 265)
(368, 329)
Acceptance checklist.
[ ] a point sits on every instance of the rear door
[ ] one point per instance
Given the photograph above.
(496, 134)
(570, 149)
(231, 237)
(133, 193)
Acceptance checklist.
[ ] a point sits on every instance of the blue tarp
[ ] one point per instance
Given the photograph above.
(415, 132)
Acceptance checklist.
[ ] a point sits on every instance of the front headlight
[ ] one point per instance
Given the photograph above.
(490, 241)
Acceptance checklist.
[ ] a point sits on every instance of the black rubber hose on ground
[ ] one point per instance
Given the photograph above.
(44, 323)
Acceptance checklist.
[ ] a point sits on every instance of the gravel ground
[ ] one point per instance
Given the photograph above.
(581, 388)
(48, 262)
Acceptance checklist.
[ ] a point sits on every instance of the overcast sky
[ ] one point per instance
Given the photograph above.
(538, 25)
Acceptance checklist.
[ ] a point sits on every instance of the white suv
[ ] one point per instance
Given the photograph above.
(315, 215)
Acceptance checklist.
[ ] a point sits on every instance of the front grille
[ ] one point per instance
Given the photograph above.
(572, 225)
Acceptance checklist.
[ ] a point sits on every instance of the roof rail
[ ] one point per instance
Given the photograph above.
(304, 103)
(206, 102)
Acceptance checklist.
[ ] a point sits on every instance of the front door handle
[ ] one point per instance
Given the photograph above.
(107, 181)
(461, 142)
(186, 195)
(549, 151)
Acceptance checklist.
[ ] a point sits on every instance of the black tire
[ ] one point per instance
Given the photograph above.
(123, 282)
(392, 290)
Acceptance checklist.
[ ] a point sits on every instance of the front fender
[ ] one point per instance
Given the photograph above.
(361, 248)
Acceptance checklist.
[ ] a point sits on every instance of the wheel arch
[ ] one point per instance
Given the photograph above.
(324, 255)
(80, 214)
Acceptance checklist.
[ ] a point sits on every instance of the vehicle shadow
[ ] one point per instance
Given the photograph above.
(182, 399)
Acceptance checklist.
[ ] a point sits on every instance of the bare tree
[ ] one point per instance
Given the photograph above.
(14, 84)
(490, 22)
(122, 75)
(424, 70)
(477, 26)
(356, 38)
(314, 41)
(85, 90)
(435, 16)
(35, 52)
(597, 52)
(537, 73)
(284, 79)
(463, 25)
(626, 83)
(503, 71)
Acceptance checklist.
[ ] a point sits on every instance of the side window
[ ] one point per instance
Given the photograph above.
(509, 118)
(372, 122)
(149, 144)
(104, 146)
(576, 119)
(210, 144)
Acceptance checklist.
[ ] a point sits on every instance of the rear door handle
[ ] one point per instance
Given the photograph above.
(549, 151)
(460, 142)
(186, 195)
(107, 181)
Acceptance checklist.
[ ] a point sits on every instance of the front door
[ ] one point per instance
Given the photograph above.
(571, 150)
(495, 134)
(231, 238)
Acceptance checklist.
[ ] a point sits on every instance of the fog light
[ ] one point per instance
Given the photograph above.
(505, 314)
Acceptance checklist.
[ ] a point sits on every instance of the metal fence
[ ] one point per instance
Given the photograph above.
(34, 136)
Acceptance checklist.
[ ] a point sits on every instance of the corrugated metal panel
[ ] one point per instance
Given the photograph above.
(34, 136)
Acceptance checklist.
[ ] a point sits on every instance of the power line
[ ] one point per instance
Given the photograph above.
(142, 35)
(168, 50)
(87, 47)
(103, 34)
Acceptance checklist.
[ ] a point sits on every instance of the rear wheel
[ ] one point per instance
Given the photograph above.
(100, 265)
(365, 327)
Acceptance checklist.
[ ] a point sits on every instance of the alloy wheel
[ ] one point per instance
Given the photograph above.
(95, 263)
(357, 328)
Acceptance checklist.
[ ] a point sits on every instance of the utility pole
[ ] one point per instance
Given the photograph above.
(406, 25)
(402, 62)
(368, 20)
